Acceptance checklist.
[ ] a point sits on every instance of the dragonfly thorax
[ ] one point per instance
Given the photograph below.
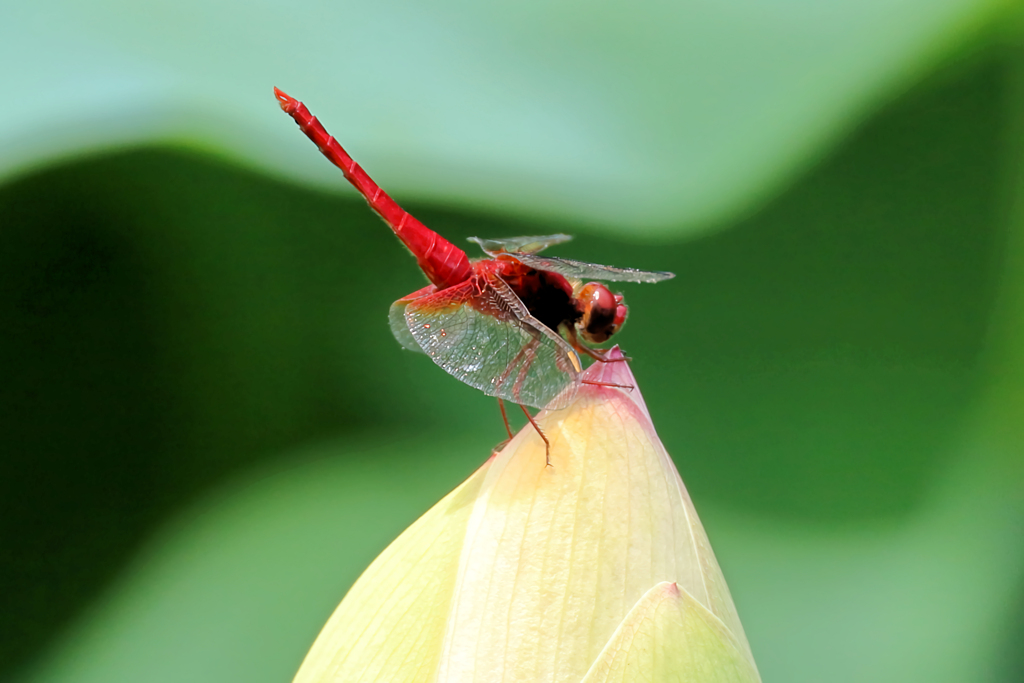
(591, 310)
(548, 296)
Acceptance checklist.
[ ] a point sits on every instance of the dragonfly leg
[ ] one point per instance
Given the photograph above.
(628, 387)
(547, 444)
(528, 351)
(600, 355)
(511, 366)
(504, 418)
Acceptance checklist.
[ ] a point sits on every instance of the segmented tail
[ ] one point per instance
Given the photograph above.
(444, 263)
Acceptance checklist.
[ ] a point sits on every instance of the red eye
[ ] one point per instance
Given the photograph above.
(602, 312)
(596, 297)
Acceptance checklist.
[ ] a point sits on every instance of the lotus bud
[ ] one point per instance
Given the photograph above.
(593, 569)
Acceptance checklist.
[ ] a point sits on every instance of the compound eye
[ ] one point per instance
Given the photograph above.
(602, 311)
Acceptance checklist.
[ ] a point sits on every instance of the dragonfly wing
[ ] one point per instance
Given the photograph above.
(519, 245)
(582, 270)
(482, 334)
(396, 317)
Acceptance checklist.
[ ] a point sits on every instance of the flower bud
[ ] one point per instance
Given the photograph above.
(593, 569)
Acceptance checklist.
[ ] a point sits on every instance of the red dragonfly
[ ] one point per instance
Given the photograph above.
(511, 325)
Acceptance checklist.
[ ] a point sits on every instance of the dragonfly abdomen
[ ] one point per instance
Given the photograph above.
(443, 263)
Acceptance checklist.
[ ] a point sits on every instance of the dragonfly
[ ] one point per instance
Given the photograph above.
(513, 324)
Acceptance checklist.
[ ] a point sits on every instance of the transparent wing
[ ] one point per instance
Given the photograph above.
(396, 317)
(519, 245)
(581, 270)
(481, 333)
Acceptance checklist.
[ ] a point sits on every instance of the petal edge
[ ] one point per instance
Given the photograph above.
(670, 636)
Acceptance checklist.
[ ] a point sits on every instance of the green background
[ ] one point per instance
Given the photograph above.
(208, 430)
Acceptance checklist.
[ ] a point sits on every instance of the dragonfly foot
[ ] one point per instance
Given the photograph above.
(499, 447)
(547, 444)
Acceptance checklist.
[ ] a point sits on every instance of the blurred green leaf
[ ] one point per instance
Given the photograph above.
(259, 567)
(653, 117)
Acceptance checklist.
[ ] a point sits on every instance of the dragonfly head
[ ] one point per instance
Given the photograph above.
(602, 313)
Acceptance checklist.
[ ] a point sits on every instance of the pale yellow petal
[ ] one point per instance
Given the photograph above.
(669, 637)
(391, 625)
(555, 557)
